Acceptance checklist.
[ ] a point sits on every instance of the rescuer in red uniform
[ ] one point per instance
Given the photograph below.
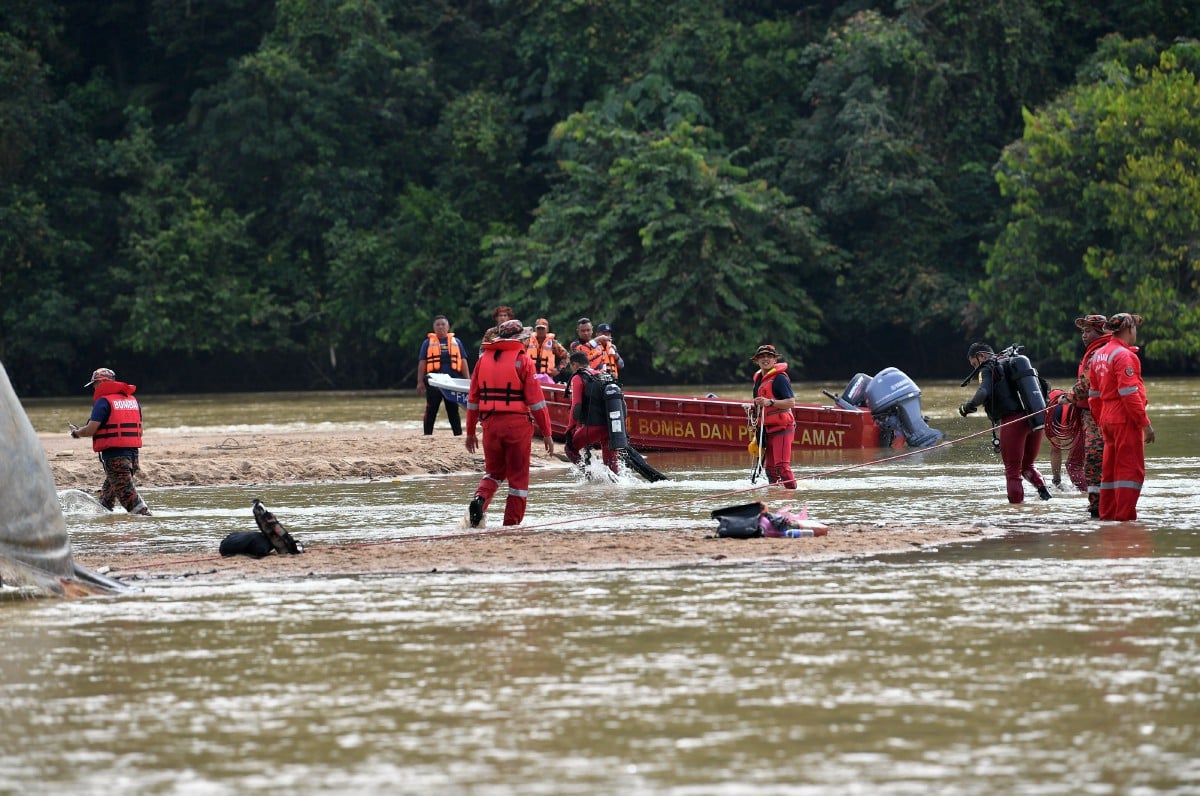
(774, 397)
(115, 427)
(1117, 375)
(504, 393)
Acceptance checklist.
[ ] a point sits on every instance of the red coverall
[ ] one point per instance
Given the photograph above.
(1081, 395)
(1122, 420)
(503, 395)
(779, 427)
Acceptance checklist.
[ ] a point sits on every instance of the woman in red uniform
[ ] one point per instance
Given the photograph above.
(1123, 421)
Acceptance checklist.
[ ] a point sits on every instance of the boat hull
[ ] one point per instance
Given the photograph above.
(661, 422)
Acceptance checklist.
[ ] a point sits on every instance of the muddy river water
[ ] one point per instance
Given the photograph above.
(1063, 658)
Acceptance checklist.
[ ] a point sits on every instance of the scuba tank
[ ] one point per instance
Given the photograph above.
(614, 407)
(1024, 376)
(604, 405)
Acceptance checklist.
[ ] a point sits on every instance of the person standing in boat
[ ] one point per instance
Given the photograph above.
(441, 352)
(504, 394)
(499, 315)
(1019, 443)
(610, 360)
(115, 427)
(586, 343)
(774, 397)
(548, 355)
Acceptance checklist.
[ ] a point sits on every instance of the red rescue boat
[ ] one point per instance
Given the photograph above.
(661, 422)
(872, 412)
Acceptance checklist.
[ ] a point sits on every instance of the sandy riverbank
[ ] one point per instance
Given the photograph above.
(191, 459)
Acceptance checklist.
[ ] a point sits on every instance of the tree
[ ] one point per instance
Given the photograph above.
(649, 221)
(863, 160)
(1105, 207)
(51, 214)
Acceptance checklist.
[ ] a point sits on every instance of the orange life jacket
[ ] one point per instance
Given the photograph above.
(433, 354)
(775, 419)
(542, 354)
(608, 358)
(592, 349)
(123, 429)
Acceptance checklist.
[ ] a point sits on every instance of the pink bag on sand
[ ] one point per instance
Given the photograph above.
(775, 524)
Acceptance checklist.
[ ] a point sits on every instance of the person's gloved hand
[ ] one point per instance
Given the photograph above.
(967, 409)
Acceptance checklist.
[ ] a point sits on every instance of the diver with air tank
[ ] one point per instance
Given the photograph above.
(1013, 396)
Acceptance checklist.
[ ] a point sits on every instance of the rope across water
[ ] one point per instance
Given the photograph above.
(516, 530)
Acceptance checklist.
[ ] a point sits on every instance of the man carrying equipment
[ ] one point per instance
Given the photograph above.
(1019, 443)
(589, 417)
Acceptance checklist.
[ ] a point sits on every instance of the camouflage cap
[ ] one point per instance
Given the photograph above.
(1123, 320)
(768, 350)
(101, 374)
(510, 329)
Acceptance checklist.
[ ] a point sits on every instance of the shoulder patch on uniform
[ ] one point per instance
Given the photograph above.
(1128, 371)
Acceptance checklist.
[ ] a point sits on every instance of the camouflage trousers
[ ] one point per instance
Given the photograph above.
(1093, 458)
(119, 487)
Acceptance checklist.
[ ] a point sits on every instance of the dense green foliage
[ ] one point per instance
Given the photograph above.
(1105, 190)
(233, 194)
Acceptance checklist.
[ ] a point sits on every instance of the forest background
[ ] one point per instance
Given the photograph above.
(242, 194)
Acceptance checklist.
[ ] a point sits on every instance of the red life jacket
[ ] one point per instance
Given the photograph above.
(433, 355)
(500, 378)
(775, 419)
(123, 429)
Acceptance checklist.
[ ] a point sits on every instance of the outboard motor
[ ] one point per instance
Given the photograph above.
(855, 394)
(614, 408)
(895, 403)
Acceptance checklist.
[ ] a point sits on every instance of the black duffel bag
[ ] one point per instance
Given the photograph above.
(249, 543)
(739, 522)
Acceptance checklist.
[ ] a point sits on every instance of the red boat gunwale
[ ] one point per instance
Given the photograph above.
(661, 422)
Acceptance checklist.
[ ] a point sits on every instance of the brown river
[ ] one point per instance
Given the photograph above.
(1063, 658)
